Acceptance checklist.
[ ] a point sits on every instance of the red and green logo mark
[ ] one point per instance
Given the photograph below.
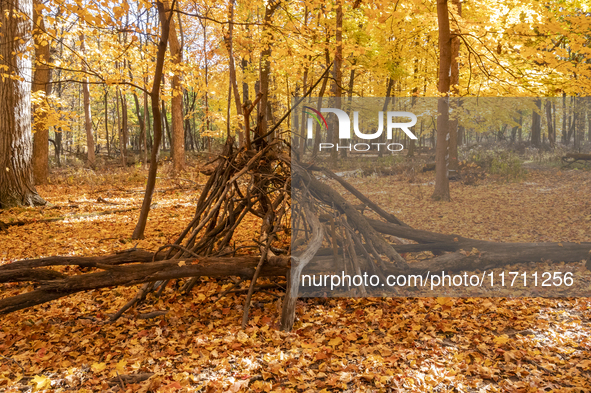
(317, 116)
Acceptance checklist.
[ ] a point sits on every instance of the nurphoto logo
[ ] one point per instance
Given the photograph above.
(345, 128)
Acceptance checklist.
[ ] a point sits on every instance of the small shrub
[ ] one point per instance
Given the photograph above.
(507, 165)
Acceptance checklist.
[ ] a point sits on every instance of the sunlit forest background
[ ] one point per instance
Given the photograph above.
(507, 48)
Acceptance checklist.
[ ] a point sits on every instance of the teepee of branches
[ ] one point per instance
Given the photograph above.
(260, 181)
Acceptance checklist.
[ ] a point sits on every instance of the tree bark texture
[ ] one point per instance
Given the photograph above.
(87, 113)
(41, 83)
(16, 142)
(441, 191)
(138, 232)
(178, 130)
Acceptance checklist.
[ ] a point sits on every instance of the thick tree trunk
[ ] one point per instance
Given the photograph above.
(177, 149)
(16, 143)
(441, 191)
(41, 83)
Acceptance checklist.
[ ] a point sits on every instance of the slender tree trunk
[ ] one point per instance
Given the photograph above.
(41, 83)
(87, 113)
(318, 130)
(228, 39)
(265, 69)
(302, 137)
(148, 138)
(206, 98)
(107, 123)
(338, 78)
(564, 116)
(389, 84)
(454, 82)
(142, 121)
(167, 127)
(120, 129)
(536, 125)
(550, 121)
(138, 233)
(16, 144)
(441, 191)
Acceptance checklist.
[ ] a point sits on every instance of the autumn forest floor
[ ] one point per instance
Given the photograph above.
(350, 345)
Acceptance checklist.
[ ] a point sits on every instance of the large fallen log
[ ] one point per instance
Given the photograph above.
(243, 266)
(571, 158)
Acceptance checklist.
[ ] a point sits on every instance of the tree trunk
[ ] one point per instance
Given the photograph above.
(87, 112)
(389, 85)
(138, 232)
(454, 82)
(338, 79)
(228, 39)
(536, 125)
(564, 116)
(302, 137)
(16, 143)
(441, 191)
(107, 123)
(41, 83)
(318, 130)
(206, 98)
(120, 129)
(142, 121)
(177, 149)
(550, 121)
(147, 139)
(265, 69)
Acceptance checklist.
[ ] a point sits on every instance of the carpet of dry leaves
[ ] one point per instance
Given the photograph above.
(338, 345)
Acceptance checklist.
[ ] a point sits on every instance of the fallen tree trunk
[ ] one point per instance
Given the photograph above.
(55, 285)
(127, 256)
(243, 266)
(496, 255)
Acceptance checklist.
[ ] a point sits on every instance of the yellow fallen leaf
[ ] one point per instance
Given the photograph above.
(98, 367)
(335, 341)
(266, 375)
(121, 366)
(41, 382)
(182, 263)
(501, 339)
